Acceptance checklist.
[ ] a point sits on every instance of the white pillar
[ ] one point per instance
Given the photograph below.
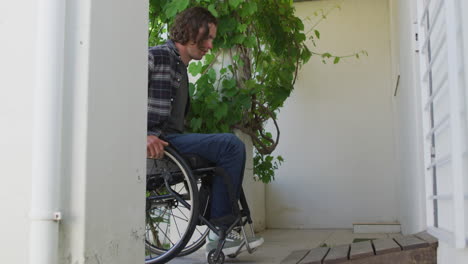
(254, 190)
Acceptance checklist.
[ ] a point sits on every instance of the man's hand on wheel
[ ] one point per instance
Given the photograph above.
(155, 147)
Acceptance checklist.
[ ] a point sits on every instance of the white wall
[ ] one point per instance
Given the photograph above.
(337, 127)
(16, 71)
(446, 254)
(407, 107)
(105, 132)
(103, 170)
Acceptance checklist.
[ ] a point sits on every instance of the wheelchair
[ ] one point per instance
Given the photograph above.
(178, 206)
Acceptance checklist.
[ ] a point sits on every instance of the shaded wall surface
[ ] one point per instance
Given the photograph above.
(338, 135)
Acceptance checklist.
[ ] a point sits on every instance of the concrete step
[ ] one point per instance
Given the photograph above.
(366, 228)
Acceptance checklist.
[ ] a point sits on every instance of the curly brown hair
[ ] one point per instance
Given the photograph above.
(187, 25)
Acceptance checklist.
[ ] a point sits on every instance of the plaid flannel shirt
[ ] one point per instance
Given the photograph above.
(164, 78)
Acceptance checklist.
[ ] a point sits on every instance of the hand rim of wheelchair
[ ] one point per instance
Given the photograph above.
(176, 248)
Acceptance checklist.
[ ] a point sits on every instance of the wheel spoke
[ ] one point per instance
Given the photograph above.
(165, 234)
(154, 232)
(180, 218)
(176, 225)
(199, 232)
(182, 213)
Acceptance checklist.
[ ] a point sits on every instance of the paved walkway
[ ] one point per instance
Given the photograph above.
(279, 243)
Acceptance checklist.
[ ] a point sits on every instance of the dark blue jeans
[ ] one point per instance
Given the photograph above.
(227, 152)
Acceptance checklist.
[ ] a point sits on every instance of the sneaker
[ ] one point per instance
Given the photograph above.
(233, 242)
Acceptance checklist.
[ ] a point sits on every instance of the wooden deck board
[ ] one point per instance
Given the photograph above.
(361, 250)
(420, 248)
(410, 242)
(315, 256)
(427, 237)
(385, 245)
(337, 254)
(295, 257)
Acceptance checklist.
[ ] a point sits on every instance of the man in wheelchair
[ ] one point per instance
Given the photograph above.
(191, 37)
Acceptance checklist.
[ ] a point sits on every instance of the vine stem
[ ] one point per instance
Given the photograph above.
(152, 26)
(324, 15)
(212, 63)
(342, 56)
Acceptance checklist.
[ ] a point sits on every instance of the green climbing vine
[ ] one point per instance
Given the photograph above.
(251, 71)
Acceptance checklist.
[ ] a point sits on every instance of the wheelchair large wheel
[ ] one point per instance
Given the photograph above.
(197, 240)
(171, 207)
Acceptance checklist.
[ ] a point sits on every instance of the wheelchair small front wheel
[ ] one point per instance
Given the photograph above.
(211, 257)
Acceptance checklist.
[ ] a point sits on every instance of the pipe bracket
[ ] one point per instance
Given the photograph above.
(45, 216)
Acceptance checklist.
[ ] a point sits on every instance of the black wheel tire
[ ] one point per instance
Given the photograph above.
(189, 249)
(211, 257)
(165, 255)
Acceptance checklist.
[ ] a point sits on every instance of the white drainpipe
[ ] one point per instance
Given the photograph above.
(46, 132)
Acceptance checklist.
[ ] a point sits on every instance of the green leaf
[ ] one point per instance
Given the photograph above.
(173, 7)
(224, 128)
(221, 111)
(250, 42)
(203, 81)
(306, 54)
(234, 3)
(209, 58)
(191, 89)
(195, 68)
(211, 102)
(301, 37)
(213, 11)
(317, 34)
(231, 92)
(238, 39)
(248, 9)
(229, 83)
(242, 28)
(195, 123)
(300, 25)
(226, 25)
(245, 102)
(212, 74)
(337, 59)
(250, 84)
